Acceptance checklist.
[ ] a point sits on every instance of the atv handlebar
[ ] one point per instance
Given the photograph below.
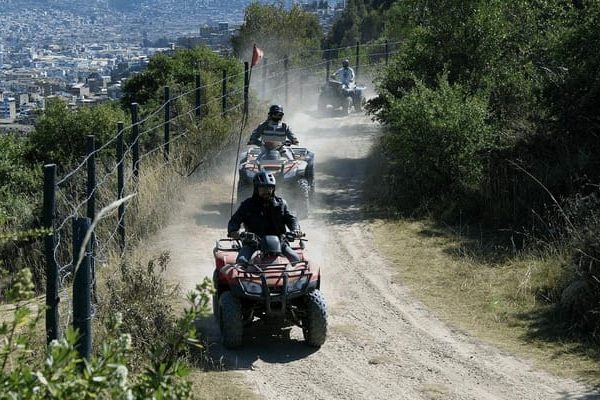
(250, 237)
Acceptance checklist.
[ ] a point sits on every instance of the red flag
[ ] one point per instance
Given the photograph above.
(257, 55)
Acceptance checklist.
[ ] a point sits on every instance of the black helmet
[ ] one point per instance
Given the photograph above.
(264, 178)
(345, 63)
(275, 109)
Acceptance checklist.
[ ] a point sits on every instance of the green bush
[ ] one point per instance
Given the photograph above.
(60, 134)
(18, 182)
(64, 375)
(435, 140)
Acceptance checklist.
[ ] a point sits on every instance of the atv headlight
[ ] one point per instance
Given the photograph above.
(298, 285)
(251, 287)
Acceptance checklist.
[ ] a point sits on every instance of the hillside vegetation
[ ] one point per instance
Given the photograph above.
(142, 347)
(491, 120)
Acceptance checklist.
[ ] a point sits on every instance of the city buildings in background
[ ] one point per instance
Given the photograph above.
(83, 51)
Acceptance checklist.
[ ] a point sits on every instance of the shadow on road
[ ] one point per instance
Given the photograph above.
(340, 189)
(271, 345)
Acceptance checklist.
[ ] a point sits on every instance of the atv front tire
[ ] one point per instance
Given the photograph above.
(314, 324)
(303, 203)
(348, 105)
(230, 320)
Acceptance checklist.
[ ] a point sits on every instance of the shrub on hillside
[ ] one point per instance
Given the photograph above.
(18, 181)
(434, 142)
(62, 374)
(60, 134)
(142, 295)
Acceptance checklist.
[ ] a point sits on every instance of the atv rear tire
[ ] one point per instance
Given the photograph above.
(230, 320)
(314, 324)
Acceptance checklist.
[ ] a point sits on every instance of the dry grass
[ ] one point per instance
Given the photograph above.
(503, 300)
(160, 185)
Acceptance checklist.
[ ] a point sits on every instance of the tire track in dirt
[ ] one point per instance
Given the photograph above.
(382, 343)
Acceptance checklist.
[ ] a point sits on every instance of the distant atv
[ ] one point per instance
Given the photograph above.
(291, 167)
(339, 97)
(269, 288)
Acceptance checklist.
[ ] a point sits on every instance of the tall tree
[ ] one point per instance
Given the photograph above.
(278, 32)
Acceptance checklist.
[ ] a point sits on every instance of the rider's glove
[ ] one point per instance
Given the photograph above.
(234, 234)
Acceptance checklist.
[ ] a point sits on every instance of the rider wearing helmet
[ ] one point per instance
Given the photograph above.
(345, 74)
(274, 130)
(263, 214)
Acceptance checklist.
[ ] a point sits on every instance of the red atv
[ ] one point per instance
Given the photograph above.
(293, 168)
(269, 288)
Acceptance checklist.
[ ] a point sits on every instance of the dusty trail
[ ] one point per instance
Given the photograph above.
(382, 343)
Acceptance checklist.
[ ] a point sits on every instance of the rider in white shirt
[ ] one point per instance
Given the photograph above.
(345, 74)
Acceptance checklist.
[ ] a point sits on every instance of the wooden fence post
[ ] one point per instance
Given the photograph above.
(91, 198)
(246, 87)
(121, 184)
(82, 282)
(198, 96)
(387, 52)
(357, 66)
(264, 77)
(224, 93)
(52, 273)
(135, 140)
(286, 65)
(167, 127)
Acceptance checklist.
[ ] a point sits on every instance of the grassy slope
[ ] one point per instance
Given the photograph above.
(496, 299)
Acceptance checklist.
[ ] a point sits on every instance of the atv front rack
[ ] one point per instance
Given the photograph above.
(302, 274)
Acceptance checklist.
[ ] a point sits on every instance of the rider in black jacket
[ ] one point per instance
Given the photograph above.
(263, 214)
(276, 130)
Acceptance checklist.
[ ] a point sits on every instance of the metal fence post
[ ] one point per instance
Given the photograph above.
(82, 299)
(224, 92)
(121, 184)
(135, 140)
(357, 66)
(246, 86)
(52, 277)
(198, 96)
(327, 65)
(301, 87)
(91, 198)
(167, 123)
(286, 63)
(264, 77)
(387, 52)
(91, 176)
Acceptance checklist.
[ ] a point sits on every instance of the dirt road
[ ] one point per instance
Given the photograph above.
(382, 344)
